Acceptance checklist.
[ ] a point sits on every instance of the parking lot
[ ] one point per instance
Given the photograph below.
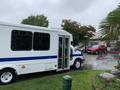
(107, 62)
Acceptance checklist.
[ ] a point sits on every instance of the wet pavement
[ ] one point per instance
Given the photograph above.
(106, 62)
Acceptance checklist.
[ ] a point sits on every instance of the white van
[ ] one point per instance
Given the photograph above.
(28, 49)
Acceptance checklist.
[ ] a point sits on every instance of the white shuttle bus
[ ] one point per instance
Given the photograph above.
(28, 49)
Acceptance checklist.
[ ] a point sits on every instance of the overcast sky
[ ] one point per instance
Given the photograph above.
(86, 12)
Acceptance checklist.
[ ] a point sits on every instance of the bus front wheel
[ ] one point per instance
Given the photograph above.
(77, 64)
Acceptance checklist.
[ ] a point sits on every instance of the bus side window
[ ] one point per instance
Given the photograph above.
(21, 40)
(41, 41)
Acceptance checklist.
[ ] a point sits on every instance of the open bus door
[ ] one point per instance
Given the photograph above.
(63, 53)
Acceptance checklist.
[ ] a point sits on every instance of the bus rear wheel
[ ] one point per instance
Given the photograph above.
(7, 76)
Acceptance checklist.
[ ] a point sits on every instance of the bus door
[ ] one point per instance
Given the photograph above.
(63, 53)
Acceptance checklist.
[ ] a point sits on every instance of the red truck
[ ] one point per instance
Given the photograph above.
(96, 49)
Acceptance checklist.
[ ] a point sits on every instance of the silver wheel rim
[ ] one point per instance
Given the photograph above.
(77, 65)
(6, 77)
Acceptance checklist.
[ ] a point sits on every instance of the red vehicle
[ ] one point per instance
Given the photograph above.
(96, 49)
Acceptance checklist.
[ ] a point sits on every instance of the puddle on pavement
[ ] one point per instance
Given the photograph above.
(107, 63)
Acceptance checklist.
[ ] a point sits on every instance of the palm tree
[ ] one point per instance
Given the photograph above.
(110, 26)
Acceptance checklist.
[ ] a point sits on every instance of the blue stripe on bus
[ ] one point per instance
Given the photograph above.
(31, 58)
(26, 58)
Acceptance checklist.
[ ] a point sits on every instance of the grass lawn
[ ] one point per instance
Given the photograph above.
(81, 81)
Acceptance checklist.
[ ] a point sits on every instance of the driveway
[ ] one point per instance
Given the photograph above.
(107, 62)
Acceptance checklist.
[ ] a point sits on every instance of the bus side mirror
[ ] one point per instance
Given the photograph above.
(72, 43)
(71, 54)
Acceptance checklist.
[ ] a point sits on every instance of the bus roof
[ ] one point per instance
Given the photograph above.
(34, 27)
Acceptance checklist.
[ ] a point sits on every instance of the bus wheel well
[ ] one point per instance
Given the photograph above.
(9, 68)
(78, 59)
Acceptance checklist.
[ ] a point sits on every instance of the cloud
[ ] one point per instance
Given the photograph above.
(97, 12)
(84, 11)
(74, 6)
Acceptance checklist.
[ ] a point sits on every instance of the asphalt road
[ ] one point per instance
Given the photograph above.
(106, 62)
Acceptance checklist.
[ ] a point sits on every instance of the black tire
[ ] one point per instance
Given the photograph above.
(10, 76)
(77, 64)
(105, 52)
(97, 52)
(88, 53)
